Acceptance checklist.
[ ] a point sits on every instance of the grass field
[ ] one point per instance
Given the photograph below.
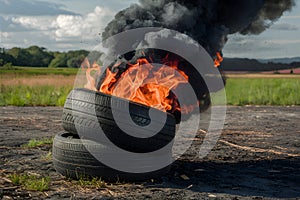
(263, 91)
(41, 95)
(50, 87)
(35, 86)
(34, 71)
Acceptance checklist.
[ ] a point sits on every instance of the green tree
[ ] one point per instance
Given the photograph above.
(6, 58)
(39, 56)
(21, 56)
(75, 62)
(36, 56)
(75, 58)
(8, 66)
(60, 60)
(1, 62)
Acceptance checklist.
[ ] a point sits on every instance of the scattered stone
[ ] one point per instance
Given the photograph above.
(273, 171)
(199, 170)
(184, 177)
(188, 187)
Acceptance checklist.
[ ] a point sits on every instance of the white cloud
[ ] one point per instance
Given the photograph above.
(4, 35)
(282, 41)
(285, 27)
(85, 27)
(41, 23)
(291, 17)
(66, 27)
(32, 8)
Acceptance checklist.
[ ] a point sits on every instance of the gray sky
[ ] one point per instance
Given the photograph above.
(76, 24)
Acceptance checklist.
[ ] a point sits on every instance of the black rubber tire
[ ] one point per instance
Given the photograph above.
(79, 114)
(71, 159)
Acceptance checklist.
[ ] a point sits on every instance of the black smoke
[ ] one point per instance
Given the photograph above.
(207, 21)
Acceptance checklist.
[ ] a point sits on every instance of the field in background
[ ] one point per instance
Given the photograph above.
(36, 81)
(50, 87)
(263, 91)
(35, 86)
(262, 75)
(40, 95)
(34, 71)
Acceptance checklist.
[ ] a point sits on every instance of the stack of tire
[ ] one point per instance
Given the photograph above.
(84, 112)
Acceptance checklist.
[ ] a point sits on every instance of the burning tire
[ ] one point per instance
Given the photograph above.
(72, 159)
(160, 61)
(79, 117)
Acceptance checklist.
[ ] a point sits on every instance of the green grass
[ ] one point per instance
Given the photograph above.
(48, 156)
(31, 182)
(91, 182)
(261, 91)
(33, 95)
(38, 142)
(239, 91)
(30, 71)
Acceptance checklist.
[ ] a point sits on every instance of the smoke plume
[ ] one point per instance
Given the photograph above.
(207, 21)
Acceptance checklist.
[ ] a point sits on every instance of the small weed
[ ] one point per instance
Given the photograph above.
(38, 142)
(37, 184)
(48, 156)
(30, 182)
(94, 182)
(17, 179)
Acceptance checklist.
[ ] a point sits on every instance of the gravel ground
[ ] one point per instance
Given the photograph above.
(256, 157)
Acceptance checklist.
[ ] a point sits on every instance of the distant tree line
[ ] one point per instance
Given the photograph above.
(35, 56)
(253, 65)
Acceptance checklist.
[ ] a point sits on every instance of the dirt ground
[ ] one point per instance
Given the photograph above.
(257, 157)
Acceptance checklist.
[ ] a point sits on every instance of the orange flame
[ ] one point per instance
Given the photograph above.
(91, 79)
(142, 83)
(218, 60)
